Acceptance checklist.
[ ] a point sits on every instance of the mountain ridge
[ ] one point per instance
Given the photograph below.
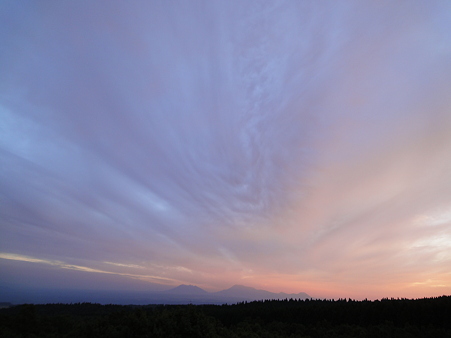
(251, 293)
(186, 289)
(181, 294)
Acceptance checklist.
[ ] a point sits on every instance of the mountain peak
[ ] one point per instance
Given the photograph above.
(236, 293)
(187, 289)
(249, 293)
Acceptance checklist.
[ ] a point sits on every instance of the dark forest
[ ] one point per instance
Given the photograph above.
(427, 317)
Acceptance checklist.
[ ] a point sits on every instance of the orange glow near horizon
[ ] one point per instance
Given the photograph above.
(330, 287)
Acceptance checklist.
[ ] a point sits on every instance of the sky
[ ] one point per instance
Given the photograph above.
(291, 146)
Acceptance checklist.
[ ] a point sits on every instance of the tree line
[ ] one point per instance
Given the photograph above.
(268, 318)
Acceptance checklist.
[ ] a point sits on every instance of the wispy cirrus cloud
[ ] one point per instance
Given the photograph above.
(296, 146)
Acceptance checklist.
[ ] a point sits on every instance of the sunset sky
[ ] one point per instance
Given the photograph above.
(295, 146)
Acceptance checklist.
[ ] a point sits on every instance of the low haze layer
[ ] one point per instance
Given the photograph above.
(284, 145)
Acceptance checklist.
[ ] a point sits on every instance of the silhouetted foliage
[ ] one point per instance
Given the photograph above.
(427, 317)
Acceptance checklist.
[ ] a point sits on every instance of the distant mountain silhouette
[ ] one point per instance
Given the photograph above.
(249, 293)
(187, 290)
(243, 291)
(182, 294)
(237, 293)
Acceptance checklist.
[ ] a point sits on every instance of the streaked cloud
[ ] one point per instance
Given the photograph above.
(63, 265)
(297, 146)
